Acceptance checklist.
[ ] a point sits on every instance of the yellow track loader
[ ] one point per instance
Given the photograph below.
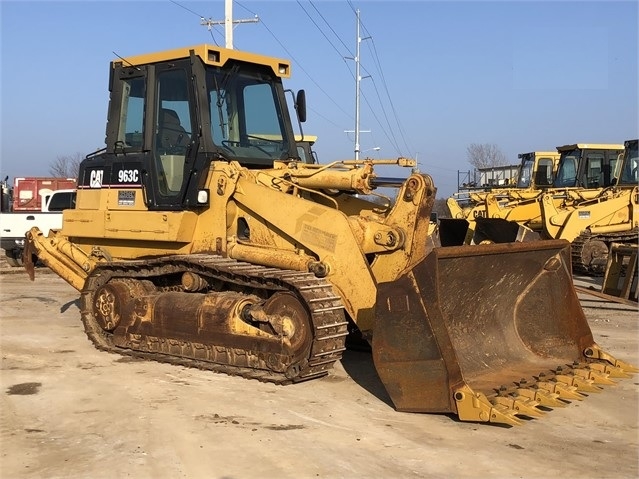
(586, 167)
(584, 171)
(536, 172)
(305, 148)
(199, 238)
(593, 223)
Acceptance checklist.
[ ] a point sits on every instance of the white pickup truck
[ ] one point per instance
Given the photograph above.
(14, 225)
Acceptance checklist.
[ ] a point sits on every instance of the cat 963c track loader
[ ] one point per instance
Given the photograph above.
(199, 238)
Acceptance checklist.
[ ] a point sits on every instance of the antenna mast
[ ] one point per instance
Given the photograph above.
(228, 22)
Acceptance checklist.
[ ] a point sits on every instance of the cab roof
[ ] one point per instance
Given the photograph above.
(538, 153)
(591, 146)
(310, 138)
(211, 55)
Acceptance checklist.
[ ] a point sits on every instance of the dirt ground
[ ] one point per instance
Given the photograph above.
(71, 411)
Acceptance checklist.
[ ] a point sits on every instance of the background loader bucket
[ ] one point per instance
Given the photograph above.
(499, 230)
(452, 231)
(468, 320)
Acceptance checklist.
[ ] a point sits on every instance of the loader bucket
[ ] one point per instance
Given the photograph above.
(481, 330)
(452, 231)
(499, 230)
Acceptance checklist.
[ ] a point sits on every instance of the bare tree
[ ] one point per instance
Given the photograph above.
(66, 166)
(441, 208)
(485, 155)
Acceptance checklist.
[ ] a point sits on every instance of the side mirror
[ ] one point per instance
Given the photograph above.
(300, 106)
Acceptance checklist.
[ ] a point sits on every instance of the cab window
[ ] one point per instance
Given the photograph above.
(172, 130)
(130, 132)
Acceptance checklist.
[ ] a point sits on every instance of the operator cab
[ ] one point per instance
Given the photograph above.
(174, 112)
(305, 150)
(537, 169)
(629, 175)
(588, 165)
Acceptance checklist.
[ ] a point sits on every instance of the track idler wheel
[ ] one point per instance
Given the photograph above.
(595, 256)
(114, 301)
(290, 318)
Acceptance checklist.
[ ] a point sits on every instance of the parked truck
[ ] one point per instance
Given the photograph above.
(15, 224)
(30, 193)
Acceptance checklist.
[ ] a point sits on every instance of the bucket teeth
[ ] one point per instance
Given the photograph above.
(564, 391)
(472, 406)
(582, 384)
(597, 377)
(626, 366)
(541, 396)
(518, 405)
(612, 371)
(551, 388)
(595, 352)
(504, 415)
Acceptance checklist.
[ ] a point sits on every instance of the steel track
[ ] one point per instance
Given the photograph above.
(581, 241)
(326, 310)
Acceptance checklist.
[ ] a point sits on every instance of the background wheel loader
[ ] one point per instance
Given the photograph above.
(199, 238)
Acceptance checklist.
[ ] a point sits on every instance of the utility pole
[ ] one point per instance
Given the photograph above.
(228, 22)
(358, 79)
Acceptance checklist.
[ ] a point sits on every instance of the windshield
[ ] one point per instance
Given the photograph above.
(544, 173)
(525, 174)
(246, 116)
(631, 161)
(567, 173)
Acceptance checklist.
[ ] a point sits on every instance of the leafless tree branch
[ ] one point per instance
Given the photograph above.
(485, 155)
(66, 166)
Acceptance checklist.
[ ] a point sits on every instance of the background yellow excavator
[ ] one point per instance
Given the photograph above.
(200, 238)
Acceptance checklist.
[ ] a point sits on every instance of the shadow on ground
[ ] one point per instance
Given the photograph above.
(359, 366)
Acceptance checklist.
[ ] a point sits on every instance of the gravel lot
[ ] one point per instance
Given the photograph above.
(70, 411)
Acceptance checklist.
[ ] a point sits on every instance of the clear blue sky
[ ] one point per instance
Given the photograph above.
(523, 75)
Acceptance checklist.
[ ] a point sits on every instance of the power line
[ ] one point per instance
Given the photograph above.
(393, 141)
(185, 8)
(320, 30)
(324, 117)
(390, 100)
(355, 57)
(201, 17)
(381, 72)
(330, 27)
(245, 8)
(290, 55)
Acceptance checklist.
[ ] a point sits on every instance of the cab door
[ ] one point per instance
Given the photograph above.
(175, 140)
